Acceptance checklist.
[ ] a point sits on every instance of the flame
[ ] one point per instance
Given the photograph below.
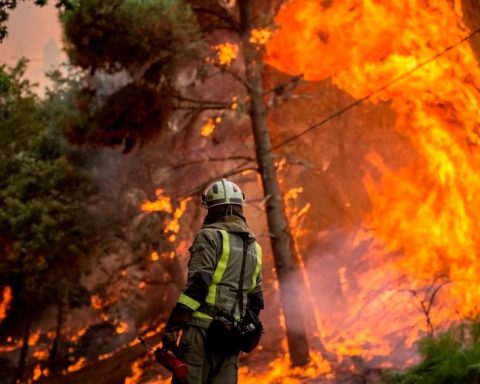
(41, 354)
(137, 372)
(209, 127)
(82, 362)
(424, 214)
(121, 328)
(278, 371)
(162, 204)
(174, 225)
(37, 372)
(260, 36)
(34, 336)
(96, 302)
(226, 53)
(154, 256)
(6, 300)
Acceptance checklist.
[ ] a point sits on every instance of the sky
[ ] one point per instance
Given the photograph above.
(34, 33)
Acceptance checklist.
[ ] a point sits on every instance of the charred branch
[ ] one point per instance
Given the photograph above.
(426, 302)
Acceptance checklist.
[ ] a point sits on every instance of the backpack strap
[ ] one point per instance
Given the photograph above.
(239, 298)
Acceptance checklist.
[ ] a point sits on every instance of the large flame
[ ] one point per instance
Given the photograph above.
(424, 225)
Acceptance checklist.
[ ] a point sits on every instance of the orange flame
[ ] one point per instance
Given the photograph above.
(6, 300)
(226, 53)
(209, 127)
(77, 366)
(425, 212)
(260, 36)
(121, 328)
(162, 204)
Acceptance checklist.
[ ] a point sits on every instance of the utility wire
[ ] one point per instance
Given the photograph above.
(372, 93)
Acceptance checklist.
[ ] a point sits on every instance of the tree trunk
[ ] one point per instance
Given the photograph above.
(52, 358)
(286, 266)
(20, 373)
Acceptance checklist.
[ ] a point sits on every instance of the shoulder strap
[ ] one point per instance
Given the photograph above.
(239, 298)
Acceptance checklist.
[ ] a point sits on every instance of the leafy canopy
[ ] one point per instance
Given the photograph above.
(43, 192)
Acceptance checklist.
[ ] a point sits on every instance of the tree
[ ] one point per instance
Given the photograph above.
(146, 62)
(43, 193)
(281, 238)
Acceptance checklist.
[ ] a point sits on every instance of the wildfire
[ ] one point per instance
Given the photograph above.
(424, 219)
(6, 300)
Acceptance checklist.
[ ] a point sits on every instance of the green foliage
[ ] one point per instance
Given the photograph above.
(118, 34)
(131, 49)
(43, 192)
(451, 357)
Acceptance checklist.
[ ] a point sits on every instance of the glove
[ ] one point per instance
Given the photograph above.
(169, 339)
(178, 319)
(255, 302)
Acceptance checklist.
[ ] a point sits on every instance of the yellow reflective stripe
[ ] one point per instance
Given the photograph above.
(201, 315)
(188, 301)
(258, 267)
(221, 266)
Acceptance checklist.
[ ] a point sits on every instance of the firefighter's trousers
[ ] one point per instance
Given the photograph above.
(203, 369)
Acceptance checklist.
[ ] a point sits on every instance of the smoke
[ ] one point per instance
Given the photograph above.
(34, 33)
(366, 306)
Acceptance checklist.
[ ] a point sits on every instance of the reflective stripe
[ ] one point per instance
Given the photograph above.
(188, 301)
(258, 267)
(221, 266)
(201, 315)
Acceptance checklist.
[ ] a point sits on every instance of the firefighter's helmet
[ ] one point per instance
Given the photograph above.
(222, 192)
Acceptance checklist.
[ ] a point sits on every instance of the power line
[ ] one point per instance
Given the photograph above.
(372, 93)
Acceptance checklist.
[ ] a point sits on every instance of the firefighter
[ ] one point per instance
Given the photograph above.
(213, 284)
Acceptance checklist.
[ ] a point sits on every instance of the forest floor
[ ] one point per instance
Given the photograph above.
(119, 368)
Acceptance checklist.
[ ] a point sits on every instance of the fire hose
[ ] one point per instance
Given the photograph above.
(168, 360)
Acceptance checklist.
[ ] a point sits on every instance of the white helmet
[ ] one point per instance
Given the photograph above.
(222, 192)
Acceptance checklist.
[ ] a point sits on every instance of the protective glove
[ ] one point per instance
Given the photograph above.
(169, 339)
(255, 302)
(178, 319)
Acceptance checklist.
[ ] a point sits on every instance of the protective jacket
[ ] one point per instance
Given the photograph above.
(214, 271)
